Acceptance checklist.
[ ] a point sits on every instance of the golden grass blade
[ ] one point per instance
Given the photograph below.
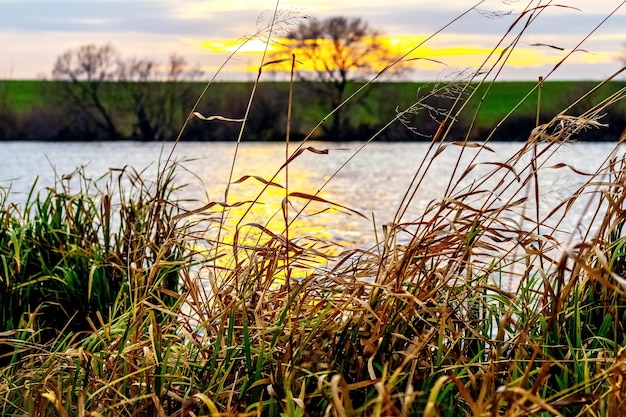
(311, 197)
(57, 403)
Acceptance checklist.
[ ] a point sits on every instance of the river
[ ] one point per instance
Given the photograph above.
(371, 180)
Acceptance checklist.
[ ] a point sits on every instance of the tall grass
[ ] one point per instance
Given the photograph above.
(119, 300)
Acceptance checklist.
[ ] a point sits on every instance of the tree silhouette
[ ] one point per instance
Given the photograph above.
(124, 98)
(336, 51)
(86, 71)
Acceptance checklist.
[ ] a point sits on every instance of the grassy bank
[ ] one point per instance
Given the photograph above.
(118, 299)
(23, 96)
(367, 111)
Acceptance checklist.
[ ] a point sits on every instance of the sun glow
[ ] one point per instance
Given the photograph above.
(471, 54)
(450, 51)
(227, 46)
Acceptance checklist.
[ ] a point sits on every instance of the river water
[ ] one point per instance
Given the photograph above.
(369, 179)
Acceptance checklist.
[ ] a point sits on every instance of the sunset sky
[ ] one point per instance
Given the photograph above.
(34, 32)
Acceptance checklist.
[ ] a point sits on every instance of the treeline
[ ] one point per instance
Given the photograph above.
(133, 109)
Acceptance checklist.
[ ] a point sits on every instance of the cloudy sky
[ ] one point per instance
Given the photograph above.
(34, 32)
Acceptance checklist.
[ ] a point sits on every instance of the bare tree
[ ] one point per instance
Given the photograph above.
(134, 97)
(86, 71)
(133, 76)
(336, 51)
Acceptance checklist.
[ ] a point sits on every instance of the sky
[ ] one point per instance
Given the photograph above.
(33, 33)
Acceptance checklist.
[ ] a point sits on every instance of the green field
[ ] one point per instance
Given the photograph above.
(502, 97)
(23, 95)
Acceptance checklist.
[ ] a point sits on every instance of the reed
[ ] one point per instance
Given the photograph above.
(117, 299)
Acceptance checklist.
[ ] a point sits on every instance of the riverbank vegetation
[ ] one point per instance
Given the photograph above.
(120, 299)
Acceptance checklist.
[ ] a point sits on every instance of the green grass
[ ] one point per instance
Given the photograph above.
(505, 96)
(22, 96)
(67, 256)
